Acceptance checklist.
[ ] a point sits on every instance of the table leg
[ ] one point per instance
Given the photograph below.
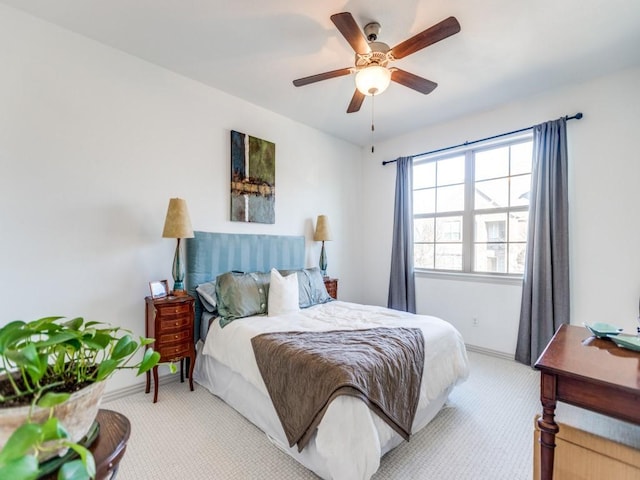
(148, 386)
(155, 384)
(548, 426)
(190, 362)
(182, 370)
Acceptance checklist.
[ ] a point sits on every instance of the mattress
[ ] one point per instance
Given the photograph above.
(350, 439)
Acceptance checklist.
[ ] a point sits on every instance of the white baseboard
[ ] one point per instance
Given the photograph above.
(138, 387)
(492, 353)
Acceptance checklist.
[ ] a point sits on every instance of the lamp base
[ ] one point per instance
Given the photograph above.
(178, 273)
(323, 261)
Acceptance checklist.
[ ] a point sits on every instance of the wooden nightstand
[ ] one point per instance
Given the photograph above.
(331, 284)
(170, 322)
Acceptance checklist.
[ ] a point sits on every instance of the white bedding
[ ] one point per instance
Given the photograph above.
(350, 439)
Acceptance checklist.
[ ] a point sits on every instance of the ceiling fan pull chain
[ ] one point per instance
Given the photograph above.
(372, 127)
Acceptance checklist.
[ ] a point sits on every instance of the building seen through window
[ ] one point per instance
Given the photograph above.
(471, 208)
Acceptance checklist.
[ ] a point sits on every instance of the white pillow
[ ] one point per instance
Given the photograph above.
(283, 293)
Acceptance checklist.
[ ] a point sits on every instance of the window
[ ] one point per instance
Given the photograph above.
(470, 208)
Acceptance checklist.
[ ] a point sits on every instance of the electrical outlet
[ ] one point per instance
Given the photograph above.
(475, 322)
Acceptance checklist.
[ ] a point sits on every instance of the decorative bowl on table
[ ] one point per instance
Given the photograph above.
(603, 330)
(627, 341)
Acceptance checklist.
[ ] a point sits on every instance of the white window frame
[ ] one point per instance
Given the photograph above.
(467, 272)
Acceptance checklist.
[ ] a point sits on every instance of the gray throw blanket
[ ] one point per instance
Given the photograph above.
(305, 371)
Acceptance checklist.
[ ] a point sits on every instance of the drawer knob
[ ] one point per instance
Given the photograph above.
(177, 323)
(176, 336)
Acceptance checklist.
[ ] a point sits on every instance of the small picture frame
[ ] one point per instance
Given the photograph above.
(159, 289)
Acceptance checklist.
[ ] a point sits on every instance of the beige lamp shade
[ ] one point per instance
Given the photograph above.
(177, 224)
(323, 231)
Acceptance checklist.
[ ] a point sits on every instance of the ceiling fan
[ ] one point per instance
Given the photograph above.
(372, 58)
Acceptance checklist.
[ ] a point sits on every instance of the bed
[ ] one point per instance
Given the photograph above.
(350, 438)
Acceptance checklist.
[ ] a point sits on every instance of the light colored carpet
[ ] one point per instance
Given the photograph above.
(484, 432)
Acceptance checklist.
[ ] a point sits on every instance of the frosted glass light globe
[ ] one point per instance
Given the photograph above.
(373, 80)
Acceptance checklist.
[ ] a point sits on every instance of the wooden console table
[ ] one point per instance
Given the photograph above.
(587, 372)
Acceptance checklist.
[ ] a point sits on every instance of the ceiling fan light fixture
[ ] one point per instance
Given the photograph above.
(373, 80)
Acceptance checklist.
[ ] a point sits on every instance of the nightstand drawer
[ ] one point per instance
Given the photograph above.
(173, 311)
(173, 352)
(173, 323)
(176, 336)
(166, 310)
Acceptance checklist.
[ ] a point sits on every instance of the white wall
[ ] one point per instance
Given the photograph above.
(94, 142)
(604, 222)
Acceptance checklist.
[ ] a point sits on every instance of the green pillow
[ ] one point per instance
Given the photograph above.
(241, 295)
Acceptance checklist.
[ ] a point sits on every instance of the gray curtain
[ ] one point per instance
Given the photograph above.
(545, 293)
(402, 290)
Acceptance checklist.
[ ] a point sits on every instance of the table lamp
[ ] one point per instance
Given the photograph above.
(178, 225)
(322, 234)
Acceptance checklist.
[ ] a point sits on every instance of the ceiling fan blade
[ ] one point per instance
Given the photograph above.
(415, 82)
(356, 101)
(350, 30)
(431, 35)
(321, 76)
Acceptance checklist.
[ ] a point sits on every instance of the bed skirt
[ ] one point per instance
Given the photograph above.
(258, 409)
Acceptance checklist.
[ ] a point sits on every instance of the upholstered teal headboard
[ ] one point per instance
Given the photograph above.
(211, 254)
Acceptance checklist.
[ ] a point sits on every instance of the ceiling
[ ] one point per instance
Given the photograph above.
(253, 49)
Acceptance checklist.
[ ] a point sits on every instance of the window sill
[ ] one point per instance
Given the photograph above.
(515, 280)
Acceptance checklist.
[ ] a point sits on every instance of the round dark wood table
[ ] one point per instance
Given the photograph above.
(109, 447)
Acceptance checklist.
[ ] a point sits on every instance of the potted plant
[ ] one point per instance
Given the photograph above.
(51, 367)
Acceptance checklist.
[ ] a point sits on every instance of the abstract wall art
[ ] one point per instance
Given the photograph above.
(253, 179)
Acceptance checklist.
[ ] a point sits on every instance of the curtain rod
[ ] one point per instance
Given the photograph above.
(577, 116)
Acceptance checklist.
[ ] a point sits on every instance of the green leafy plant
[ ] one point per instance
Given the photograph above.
(42, 363)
